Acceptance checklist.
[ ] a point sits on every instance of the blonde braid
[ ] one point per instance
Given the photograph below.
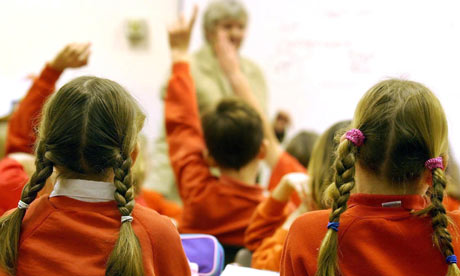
(344, 183)
(10, 225)
(441, 236)
(126, 257)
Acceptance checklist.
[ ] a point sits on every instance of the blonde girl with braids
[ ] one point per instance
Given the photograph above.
(89, 225)
(272, 219)
(380, 222)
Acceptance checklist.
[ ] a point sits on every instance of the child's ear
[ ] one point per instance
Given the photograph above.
(263, 149)
(427, 178)
(135, 153)
(209, 159)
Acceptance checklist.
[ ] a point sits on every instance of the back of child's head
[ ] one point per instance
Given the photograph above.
(404, 126)
(233, 133)
(88, 130)
(301, 146)
(320, 165)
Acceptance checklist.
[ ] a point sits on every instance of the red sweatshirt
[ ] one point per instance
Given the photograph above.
(265, 235)
(451, 203)
(373, 240)
(63, 236)
(21, 137)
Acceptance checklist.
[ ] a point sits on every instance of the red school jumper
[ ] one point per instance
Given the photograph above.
(373, 240)
(64, 236)
(217, 206)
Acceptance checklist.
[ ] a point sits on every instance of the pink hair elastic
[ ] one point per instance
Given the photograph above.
(355, 136)
(434, 163)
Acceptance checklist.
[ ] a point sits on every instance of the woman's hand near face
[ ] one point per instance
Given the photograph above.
(227, 54)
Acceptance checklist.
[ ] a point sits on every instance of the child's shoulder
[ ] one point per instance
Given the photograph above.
(313, 222)
(455, 216)
(154, 223)
(319, 216)
(307, 232)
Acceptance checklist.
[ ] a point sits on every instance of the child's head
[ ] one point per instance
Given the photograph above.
(88, 130)
(404, 126)
(320, 165)
(301, 146)
(233, 133)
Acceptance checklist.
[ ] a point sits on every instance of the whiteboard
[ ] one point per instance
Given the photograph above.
(320, 56)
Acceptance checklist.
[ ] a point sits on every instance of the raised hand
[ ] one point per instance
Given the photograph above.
(73, 55)
(179, 35)
(292, 182)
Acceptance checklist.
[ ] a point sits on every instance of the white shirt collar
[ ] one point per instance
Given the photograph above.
(84, 190)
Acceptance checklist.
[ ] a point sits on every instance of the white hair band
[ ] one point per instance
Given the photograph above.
(22, 205)
(126, 218)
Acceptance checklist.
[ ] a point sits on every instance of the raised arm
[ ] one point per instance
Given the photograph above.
(182, 120)
(229, 62)
(276, 210)
(21, 126)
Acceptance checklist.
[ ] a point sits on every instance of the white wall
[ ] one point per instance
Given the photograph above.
(319, 56)
(33, 31)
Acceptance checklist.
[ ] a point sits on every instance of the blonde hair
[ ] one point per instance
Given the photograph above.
(404, 125)
(322, 159)
(218, 10)
(89, 127)
(3, 135)
(139, 169)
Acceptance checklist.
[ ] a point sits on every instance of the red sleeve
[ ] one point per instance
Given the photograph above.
(21, 126)
(451, 203)
(12, 180)
(286, 164)
(268, 255)
(269, 215)
(184, 134)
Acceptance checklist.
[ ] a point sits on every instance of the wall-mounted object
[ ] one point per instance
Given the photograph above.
(137, 33)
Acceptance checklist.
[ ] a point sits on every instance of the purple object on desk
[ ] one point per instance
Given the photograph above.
(206, 251)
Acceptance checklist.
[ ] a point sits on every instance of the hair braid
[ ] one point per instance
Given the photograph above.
(44, 169)
(344, 183)
(10, 225)
(126, 257)
(441, 236)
